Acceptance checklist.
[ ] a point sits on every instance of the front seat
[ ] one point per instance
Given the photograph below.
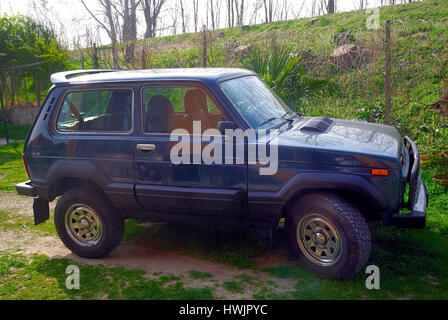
(159, 117)
(196, 109)
(119, 112)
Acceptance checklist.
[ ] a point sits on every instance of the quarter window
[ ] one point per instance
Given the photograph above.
(96, 111)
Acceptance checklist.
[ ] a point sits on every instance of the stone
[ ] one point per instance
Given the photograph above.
(349, 55)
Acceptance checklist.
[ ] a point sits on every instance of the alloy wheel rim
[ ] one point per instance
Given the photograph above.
(83, 225)
(319, 240)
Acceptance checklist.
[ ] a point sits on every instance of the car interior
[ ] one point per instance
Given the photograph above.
(161, 118)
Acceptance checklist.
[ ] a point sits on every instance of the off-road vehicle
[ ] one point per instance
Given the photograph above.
(102, 143)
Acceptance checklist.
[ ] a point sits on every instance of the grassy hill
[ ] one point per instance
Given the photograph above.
(419, 38)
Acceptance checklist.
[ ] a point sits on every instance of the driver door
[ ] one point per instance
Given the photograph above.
(193, 187)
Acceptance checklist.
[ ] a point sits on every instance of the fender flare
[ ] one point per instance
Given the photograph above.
(85, 170)
(314, 181)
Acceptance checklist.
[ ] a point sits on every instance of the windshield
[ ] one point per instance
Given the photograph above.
(261, 108)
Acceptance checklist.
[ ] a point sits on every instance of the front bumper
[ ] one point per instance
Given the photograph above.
(417, 218)
(418, 193)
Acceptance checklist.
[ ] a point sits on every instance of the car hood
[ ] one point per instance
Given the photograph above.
(366, 140)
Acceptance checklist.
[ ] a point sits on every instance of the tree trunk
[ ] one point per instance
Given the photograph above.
(129, 28)
(113, 33)
(212, 12)
(330, 6)
(182, 13)
(195, 15)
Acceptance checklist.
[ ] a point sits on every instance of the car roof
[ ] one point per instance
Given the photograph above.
(103, 76)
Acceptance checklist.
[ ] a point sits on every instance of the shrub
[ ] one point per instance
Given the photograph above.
(282, 69)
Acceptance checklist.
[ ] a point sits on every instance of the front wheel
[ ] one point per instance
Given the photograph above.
(87, 223)
(328, 235)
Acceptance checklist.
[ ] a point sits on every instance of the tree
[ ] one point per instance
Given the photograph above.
(183, 16)
(195, 14)
(151, 11)
(212, 13)
(43, 13)
(361, 4)
(230, 14)
(109, 26)
(26, 41)
(268, 9)
(239, 8)
(128, 13)
(330, 6)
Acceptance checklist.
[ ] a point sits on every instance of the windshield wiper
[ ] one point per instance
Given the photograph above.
(290, 120)
(267, 121)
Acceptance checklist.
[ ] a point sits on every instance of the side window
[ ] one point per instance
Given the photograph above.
(168, 108)
(96, 111)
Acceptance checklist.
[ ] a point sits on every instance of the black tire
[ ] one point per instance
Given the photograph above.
(337, 219)
(111, 222)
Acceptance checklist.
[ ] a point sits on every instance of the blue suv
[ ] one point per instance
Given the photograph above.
(115, 145)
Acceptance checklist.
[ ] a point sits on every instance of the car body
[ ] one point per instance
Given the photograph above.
(366, 166)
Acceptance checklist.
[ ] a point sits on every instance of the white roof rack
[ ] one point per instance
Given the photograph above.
(63, 77)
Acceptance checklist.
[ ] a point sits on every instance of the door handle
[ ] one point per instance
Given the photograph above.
(146, 147)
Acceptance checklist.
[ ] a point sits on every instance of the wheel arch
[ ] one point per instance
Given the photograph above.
(65, 175)
(355, 189)
(365, 205)
(61, 185)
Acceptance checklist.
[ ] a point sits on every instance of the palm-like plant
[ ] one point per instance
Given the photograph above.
(281, 68)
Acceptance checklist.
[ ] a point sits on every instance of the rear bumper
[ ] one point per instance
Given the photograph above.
(41, 207)
(26, 189)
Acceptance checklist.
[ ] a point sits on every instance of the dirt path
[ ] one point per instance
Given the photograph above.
(128, 255)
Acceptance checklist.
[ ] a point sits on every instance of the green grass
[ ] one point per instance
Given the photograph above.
(233, 286)
(412, 264)
(11, 166)
(14, 132)
(21, 223)
(223, 246)
(39, 278)
(194, 274)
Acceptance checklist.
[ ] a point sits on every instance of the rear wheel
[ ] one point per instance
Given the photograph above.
(87, 223)
(328, 235)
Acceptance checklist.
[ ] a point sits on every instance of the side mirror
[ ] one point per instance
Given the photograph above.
(223, 125)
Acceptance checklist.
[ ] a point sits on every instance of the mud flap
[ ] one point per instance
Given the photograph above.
(41, 209)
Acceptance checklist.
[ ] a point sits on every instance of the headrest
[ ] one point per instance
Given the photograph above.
(195, 100)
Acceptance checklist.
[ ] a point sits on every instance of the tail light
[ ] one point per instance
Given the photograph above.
(24, 165)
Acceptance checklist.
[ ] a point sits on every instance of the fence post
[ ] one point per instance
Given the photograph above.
(95, 63)
(4, 116)
(143, 62)
(387, 80)
(12, 90)
(38, 88)
(27, 101)
(204, 46)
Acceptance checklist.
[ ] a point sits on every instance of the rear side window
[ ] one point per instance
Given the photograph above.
(96, 111)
